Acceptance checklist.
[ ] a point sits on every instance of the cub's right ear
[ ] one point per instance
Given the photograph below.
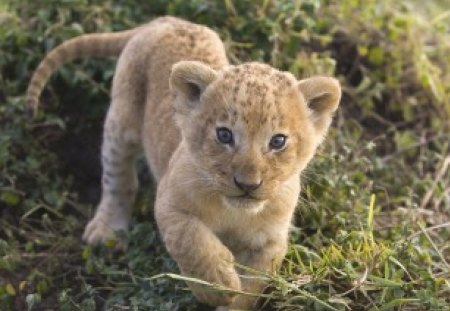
(322, 95)
(188, 80)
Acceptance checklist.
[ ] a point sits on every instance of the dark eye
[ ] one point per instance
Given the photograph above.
(224, 135)
(277, 141)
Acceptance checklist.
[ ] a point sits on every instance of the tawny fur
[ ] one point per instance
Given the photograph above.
(172, 89)
(99, 44)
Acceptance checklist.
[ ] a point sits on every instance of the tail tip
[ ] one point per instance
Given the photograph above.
(32, 107)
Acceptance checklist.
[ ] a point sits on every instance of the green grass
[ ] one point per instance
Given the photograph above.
(372, 230)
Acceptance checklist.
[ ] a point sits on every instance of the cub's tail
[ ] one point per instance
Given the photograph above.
(100, 45)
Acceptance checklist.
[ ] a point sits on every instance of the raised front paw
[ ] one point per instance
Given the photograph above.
(214, 296)
(104, 226)
(243, 303)
(222, 276)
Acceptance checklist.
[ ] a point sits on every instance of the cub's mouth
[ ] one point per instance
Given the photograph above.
(245, 196)
(244, 201)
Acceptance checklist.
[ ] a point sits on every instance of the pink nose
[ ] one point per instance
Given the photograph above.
(246, 186)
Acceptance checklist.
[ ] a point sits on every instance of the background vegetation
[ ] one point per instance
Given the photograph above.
(372, 230)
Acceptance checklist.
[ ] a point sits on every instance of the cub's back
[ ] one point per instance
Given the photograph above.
(143, 73)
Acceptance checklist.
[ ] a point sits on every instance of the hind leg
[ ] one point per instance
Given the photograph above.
(119, 179)
(121, 144)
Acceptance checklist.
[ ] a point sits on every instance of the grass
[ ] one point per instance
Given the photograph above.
(372, 230)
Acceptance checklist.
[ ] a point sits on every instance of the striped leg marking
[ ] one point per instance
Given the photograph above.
(119, 187)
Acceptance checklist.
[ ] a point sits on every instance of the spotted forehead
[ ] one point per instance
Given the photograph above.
(255, 80)
(254, 93)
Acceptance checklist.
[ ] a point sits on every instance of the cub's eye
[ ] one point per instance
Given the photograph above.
(277, 142)
(224, 135)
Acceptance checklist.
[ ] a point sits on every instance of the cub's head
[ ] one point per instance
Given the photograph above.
(250, 128)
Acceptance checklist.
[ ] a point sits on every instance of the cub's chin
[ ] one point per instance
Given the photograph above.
(245, 204)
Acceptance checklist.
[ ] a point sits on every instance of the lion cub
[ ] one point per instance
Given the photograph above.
(225, 143)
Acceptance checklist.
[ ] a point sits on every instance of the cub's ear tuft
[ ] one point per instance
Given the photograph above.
(188, 80)
(322, 95)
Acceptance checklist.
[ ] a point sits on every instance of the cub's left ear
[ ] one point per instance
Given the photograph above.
(188, 80)
(322, 95)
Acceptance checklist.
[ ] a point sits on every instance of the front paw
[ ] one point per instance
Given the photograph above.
(243, 302)
(213, 296)
(221, 275)
(104, 227)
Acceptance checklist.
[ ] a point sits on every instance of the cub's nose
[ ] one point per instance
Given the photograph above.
(247, 186)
